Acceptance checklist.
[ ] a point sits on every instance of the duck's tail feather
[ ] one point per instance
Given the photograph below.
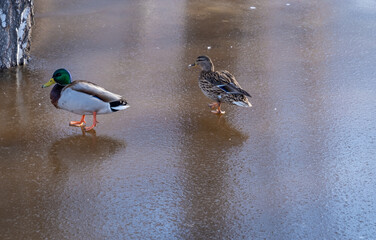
(244, 103)
(119, 105)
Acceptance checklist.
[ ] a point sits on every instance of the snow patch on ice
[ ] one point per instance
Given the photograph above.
(21, 32)
(3, 17)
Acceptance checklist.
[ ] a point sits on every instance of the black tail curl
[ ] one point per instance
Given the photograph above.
(115, 104)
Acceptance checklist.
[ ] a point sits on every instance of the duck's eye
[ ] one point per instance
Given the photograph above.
(58, 75)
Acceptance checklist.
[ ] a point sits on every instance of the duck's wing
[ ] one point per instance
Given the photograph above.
(94, 90)
(227, 82)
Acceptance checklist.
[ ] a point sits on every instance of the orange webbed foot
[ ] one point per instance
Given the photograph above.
(218, 111)
(78, 123)
(216, 108)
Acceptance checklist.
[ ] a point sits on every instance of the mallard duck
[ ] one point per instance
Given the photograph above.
(82, 97)
(220, 86)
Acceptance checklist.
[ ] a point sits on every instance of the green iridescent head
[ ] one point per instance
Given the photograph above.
(61, 77)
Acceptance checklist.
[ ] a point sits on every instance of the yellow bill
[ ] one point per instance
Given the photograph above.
(49, 83)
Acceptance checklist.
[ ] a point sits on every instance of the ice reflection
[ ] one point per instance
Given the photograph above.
(77, 152)
(205, 179)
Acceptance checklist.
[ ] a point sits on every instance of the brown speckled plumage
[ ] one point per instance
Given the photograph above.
(230, 92)
(220, 86)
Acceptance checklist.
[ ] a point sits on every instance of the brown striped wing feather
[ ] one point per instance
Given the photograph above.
(224, 81)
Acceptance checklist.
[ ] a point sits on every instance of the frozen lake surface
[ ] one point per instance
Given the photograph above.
(299, 164)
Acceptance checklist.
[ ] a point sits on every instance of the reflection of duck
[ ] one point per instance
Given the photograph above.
(214, 134)
(83, 97)
(208, 157)
(220, 86)
(82, 150)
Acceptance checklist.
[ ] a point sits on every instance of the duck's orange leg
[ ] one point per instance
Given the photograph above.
(78, 123)
(94, 122)
(217, 107)
(214, 105)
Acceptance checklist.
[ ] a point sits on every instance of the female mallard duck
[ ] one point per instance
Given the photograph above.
(220, 86)
(82, 97)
